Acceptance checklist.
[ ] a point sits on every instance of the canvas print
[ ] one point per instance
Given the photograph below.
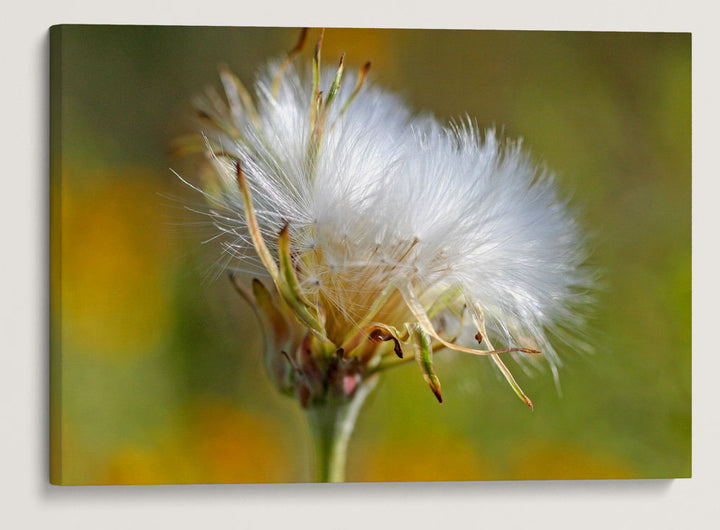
(361, 255)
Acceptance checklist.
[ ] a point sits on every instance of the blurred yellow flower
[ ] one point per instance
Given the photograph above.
(115, 290)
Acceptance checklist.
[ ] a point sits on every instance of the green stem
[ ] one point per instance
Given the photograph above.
(331, 425)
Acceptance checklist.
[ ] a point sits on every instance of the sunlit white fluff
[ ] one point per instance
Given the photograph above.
(396, 198)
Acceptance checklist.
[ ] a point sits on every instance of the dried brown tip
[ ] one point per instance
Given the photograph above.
(364, 72)
(289, 59)
(479, 337)
(318, 44)
(437, 393)
(300, 44)
(396, 348)
(379, 335)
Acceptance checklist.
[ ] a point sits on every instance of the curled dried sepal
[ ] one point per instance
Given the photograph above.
(380, 333)
(423, 354)
(374, 332)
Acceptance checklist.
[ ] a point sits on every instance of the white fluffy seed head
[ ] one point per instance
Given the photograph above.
(393, 197)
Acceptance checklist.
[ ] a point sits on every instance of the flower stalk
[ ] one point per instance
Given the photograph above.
(331, 426)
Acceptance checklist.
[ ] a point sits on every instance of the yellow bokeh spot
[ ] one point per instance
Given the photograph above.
(423, 458)
(220, 445)
(564, 461)
(114, 277)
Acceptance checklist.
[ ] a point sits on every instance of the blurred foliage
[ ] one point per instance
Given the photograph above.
(161, 379)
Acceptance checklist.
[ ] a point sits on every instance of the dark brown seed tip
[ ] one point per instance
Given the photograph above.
(300, 43)
(397, 349)
(479, 337)
(437, 393)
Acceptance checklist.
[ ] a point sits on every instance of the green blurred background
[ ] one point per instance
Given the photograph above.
(156, 369)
